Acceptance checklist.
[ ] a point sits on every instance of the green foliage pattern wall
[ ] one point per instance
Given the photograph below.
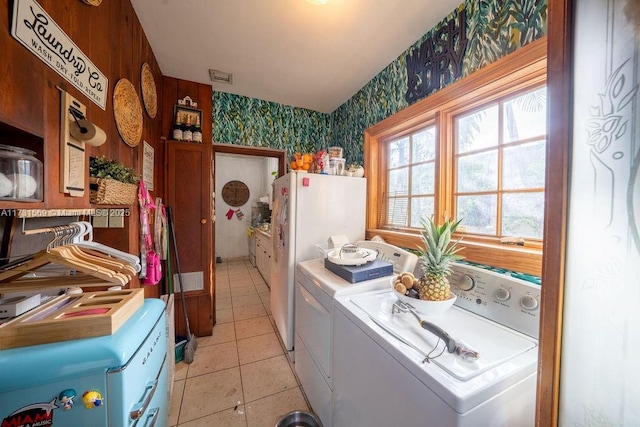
(253, 122)
(495, 28)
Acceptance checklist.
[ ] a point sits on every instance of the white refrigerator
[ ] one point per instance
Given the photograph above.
(307, 209)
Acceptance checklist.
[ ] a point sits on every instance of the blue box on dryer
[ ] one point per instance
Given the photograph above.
(360, 273)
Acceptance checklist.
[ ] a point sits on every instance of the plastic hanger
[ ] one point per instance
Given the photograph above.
(67, 257)
(97, 258)
(86, 229)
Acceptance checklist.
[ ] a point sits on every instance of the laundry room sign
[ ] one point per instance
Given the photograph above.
(438, 60)
(36, 31)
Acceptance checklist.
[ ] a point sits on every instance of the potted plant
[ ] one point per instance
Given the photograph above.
(111, 182)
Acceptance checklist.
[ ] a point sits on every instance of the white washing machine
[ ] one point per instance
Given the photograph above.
(315, 291)
(381, 378)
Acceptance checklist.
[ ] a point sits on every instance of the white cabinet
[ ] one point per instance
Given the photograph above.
(263, 255)
(252, 247)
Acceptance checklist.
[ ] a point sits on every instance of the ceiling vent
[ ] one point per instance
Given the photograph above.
(220, 77)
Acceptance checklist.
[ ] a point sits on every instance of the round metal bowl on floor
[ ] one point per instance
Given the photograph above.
(299, 419)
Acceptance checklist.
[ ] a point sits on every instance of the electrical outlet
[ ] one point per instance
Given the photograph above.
(100, 221)
(115, 221)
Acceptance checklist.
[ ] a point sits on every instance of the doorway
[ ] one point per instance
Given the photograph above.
(252, 169)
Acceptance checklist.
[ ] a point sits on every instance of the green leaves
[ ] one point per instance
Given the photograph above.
(101, 167)
(439, 251)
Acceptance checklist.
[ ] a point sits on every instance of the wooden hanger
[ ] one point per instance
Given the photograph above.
(63, 256)
(95, 266)
(98, 259)
(89, 264)
(56, 282)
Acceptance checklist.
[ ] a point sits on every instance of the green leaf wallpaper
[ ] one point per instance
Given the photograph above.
(495, 28)
(253, 122)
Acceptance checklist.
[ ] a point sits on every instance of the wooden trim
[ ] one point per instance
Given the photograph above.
(524, 69)
(371, 167)
(521, 259)
(253, 151)
(556, 199)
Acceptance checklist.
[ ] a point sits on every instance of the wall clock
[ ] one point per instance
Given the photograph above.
(235, 193)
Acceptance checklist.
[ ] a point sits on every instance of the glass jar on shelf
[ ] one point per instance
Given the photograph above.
(197, 134)
(187, 133)
(20, 175)
(176, 133)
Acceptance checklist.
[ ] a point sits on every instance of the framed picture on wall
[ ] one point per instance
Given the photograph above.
(187, 115)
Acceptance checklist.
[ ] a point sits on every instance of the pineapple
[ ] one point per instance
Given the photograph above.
(436, 258)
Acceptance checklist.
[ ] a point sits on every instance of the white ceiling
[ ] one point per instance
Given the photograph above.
(286, 51)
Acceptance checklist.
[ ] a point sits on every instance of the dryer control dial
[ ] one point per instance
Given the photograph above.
(502, 294)
(466, 282)
(529, 302)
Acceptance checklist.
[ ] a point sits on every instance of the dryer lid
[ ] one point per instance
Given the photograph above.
(496, 344)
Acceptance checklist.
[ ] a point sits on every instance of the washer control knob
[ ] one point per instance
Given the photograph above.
(502, 294)
(466, 282)
(529, 302)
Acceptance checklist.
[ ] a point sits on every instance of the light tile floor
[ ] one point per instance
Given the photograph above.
(240, 376)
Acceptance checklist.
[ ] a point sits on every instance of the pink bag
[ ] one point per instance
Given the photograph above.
(154, 269)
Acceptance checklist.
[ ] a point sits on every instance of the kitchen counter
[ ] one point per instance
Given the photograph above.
(266, 233)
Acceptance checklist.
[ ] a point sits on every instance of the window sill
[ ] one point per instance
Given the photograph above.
(517, 258)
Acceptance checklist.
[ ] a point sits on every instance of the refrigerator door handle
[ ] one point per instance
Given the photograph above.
(152, 419)
(139, 409)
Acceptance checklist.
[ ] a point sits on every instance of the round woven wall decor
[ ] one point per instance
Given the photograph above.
(93, 2)
(127, 111)
(149, 93)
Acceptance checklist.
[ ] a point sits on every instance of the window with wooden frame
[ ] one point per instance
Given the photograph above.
(474, 150)
(499, 165)
(410, 183)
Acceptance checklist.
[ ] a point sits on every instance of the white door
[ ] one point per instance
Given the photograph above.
(601, 325)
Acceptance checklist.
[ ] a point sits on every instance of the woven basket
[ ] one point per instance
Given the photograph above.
(112, 192)
(149, 92)
(127, 111)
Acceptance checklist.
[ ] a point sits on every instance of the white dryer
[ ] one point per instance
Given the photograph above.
(315, 291)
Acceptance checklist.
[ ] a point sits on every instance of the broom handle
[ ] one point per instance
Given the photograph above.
(175, 252)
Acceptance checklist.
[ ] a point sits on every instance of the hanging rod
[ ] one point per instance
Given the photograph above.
(35, 230)
(49, 213)
(43, 230)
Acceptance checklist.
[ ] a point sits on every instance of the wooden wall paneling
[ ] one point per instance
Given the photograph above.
(68, 17)
(169, 100)
(187, 88)
(156, 129)
(99, 36)
(127, 43)
(115, 48)
(128, 155)
(205, 103)
(174, 89)
(21, 103)
(134, 77)
(112, 38)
